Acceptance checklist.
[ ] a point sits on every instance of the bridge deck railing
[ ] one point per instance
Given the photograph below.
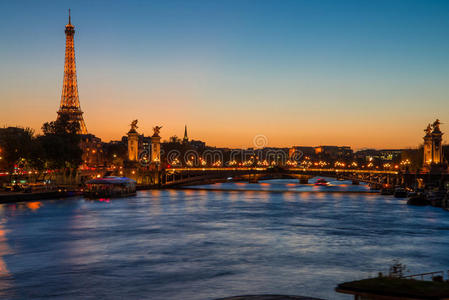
(330, 170)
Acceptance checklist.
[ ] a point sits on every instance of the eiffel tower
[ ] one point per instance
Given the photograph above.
(70, 103)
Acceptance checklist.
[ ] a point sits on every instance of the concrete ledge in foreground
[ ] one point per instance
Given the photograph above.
(268, 297)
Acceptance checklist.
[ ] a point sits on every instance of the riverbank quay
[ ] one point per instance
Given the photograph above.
(9, 197)
(148, 187)
(391, 288)
(435, 198)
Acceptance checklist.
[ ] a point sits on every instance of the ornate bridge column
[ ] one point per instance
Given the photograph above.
(437, 147)
(155, 157)
(427, 158)
(133, 142)
(156, 146)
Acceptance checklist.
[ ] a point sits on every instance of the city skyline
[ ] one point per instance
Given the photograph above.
(238, 79)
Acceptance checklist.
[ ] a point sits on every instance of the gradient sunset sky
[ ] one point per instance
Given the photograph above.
(357, 73)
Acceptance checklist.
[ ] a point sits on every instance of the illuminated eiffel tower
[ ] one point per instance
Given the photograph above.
(70, 103)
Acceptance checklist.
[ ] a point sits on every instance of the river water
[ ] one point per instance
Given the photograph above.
(234, 238)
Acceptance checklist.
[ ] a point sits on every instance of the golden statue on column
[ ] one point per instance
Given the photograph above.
(433, 148)
(156, 145)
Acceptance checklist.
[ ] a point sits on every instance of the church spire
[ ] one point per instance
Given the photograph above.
(186, 138)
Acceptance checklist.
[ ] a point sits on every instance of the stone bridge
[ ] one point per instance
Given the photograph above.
(189, 176)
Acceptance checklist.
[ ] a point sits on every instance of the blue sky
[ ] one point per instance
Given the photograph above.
(359, 73)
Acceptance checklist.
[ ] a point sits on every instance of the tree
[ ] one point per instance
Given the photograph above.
(415, 156)
(174, 139)
(15, 144)
(61, 144)
(115, 153)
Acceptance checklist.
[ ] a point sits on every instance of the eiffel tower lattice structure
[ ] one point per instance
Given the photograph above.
(70, 103)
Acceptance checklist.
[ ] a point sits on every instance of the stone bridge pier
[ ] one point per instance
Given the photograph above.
(302, 178)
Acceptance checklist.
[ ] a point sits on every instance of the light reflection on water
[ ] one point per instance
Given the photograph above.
(282, 185)
(5, 275)
(200, 244)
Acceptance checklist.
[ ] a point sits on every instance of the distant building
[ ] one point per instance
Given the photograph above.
(92, 147)
(334, 152)
(367, 154)
(390, 154)
(302, 151)
(197, 144)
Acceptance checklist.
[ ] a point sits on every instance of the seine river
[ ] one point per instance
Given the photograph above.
(273, 237)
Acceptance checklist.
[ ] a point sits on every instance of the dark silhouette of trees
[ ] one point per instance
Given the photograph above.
(61, 144)
(174, 139)
(16, 144)
(415, 156)
(57, 148)
(115, 154)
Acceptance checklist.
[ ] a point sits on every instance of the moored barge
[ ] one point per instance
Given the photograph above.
(110, 186)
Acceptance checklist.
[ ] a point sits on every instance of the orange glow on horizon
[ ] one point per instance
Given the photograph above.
(241, 134)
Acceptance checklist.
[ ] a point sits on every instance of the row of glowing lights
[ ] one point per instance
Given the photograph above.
(260, 163)
(304, 163)
(233, 163)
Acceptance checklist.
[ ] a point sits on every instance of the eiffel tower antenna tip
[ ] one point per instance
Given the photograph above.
(69, 17)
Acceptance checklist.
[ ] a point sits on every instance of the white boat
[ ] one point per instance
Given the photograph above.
(110, 186)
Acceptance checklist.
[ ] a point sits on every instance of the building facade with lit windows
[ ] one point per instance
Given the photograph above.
(334, 152)
(93, 155)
